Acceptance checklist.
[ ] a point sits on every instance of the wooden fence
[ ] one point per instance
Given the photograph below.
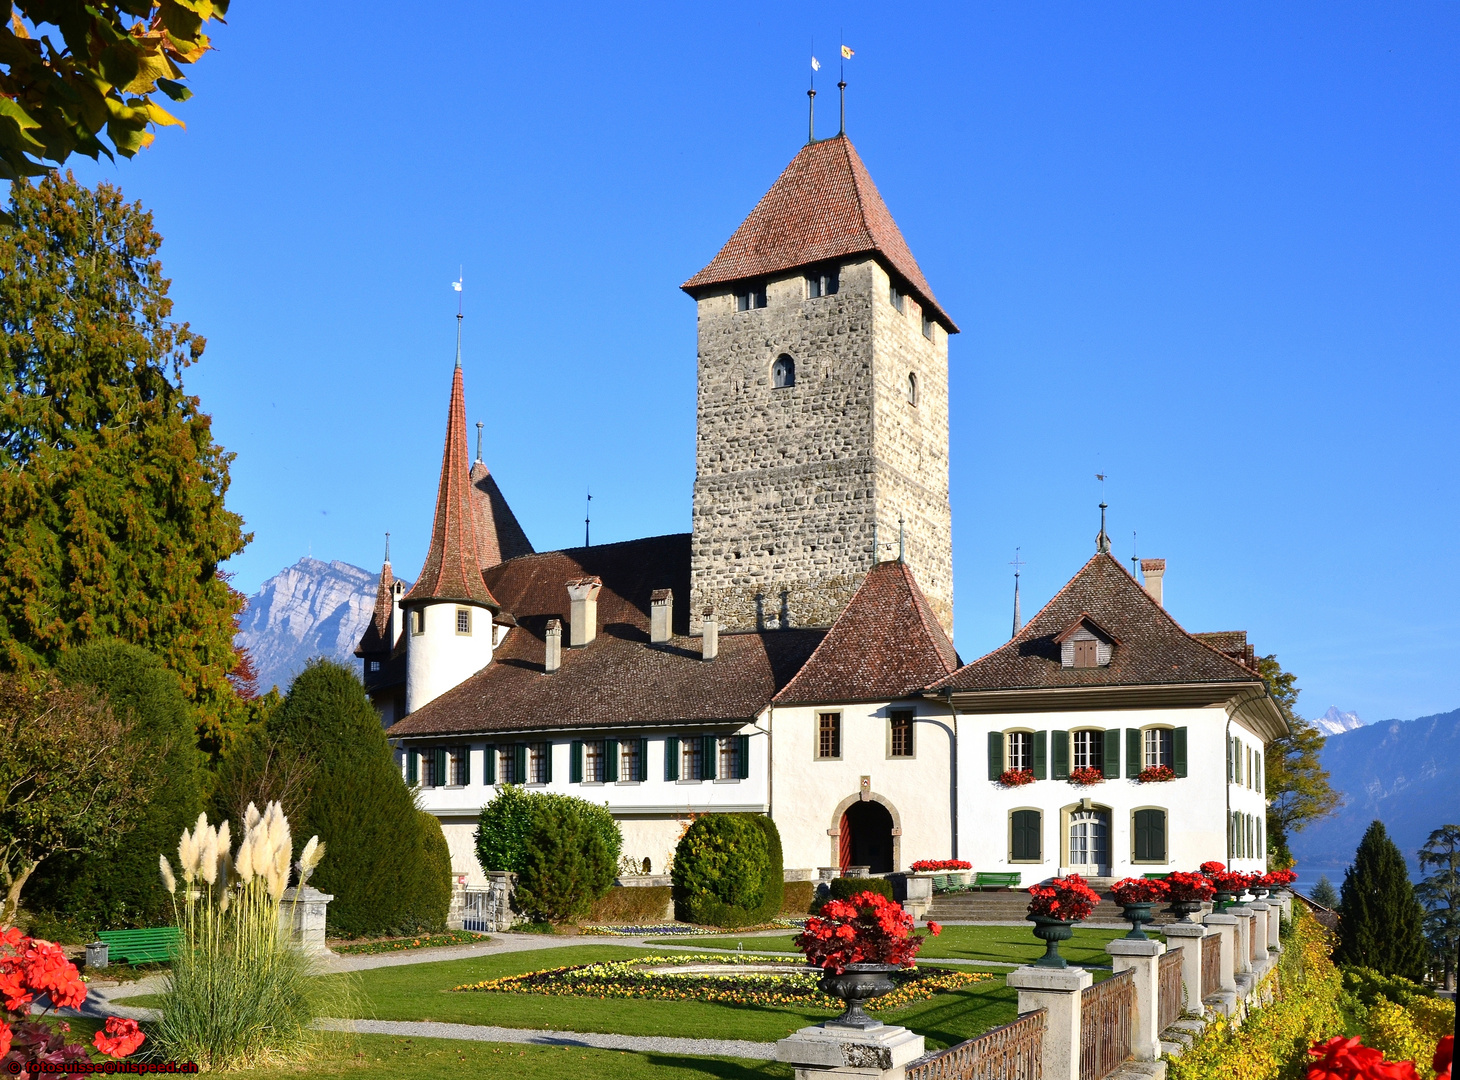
(1012, 1052)
(1168, 990)
(1106, 1016)
(1211, 965)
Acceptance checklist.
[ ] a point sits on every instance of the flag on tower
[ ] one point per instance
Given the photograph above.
(847, 53)
(456, 285)
(815, 64)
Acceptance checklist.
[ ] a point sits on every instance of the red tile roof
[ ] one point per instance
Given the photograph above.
(453, 569)
(376, 638)
(1151, 647)
(499, 536)
(885, 644)
(619, 679)
(824, 207)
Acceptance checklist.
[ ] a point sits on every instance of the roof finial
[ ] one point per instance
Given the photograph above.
(901, 542)
(457, 286)
(387, 549)
(1018, 622)
(1102, 541)
(479, 442)
(1135, 563)
(587, 514)
(842, 86)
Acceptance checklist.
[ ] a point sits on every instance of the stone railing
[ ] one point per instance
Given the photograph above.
(1011, 1052)
(1107, 1013)
(1169, 999)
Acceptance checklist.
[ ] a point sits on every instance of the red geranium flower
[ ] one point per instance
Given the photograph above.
(4, 1038)
(1139, 890)
(1213, 867)
(869, 928)
(934, 928)
(1444, 1058)
(1186, 887)
(120, 1038)
(1063, 898)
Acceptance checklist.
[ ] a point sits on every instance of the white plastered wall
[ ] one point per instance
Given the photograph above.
(441, 657)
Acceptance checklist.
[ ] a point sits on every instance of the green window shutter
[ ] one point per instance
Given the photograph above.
(466, 764)
(1061, 740)
(1150, 835)
(489, 764)
(575, 763)
(709, 758)
(519, 764)
(1135, 753)
(996, 754)
(671, 758)
(1041, 755)
(1025, 828)
(643, 771)
(438, 774)
(413, 774)
(1110, 744)
(742, 757)
(1259, 778)
(610, 761)
(1178, 751)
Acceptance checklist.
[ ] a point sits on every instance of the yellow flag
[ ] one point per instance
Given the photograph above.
(847, 53)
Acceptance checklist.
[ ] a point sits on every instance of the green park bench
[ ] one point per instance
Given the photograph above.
(940, 883)
(984, 880)
(135, 947)
(1155, 877)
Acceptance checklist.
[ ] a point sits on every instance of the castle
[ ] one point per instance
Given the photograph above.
(792, 656)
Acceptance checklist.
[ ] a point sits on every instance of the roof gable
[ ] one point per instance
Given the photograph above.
(1150, 647)
(499, 536)
(886, 644)
(823, 206)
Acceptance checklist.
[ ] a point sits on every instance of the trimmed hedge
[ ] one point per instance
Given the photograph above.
(728, 871)
(798, 898)
(632, 905)
(844, 888)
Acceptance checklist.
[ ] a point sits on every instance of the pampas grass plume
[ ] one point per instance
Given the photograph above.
(168, 881)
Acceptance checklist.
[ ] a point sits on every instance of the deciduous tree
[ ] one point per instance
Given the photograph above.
(1439, 892)
(112, 520)
(81, 76)
(1382, 925)
(69, 778)
(1298, 791)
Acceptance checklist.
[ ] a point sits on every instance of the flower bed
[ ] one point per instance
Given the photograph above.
(1086, 775)
(1016, 777)
(1156, 774)
(686, 929)
(933, 866)
(425, 941)
(796, 987)
(1063, 898)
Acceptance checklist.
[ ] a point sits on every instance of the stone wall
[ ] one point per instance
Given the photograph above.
(789, 481)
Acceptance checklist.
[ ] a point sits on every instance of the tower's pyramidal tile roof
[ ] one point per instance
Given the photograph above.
(453, 568)
(824, 206)
(377, 631)
(499, 536)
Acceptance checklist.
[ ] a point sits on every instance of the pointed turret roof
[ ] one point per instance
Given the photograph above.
(376, 638)
(886, 644)
(824, 206)
(453, 568)
(499, 536)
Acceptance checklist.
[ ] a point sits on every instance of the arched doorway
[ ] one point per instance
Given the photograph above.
(866, 837)
(1089, 843)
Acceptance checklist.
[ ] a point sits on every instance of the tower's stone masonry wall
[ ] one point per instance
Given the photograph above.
(789, 481)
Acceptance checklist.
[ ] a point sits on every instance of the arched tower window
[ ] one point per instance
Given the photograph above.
(783, 372)
(912, 387)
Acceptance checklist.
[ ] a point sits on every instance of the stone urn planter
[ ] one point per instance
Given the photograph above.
(1223, 901)
(1052, 932)
(858, 983)
(1185, 910)
(1137, 915)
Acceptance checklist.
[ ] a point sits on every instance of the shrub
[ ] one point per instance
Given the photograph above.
(571, 853)
(120, 888)
(797, 898)
(502, 829)
(727, 871)
(632, 905)
(844, 888)
(380, 870)
(1409, 1032)
(1383, 924)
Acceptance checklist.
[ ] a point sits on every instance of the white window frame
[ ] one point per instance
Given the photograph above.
(1159, 754)
(1091, 735)
(1012, 757)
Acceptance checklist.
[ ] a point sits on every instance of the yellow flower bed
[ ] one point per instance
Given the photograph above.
(1272, 1043)
(795, 988)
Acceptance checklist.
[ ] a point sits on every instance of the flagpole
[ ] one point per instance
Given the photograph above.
(811, 99)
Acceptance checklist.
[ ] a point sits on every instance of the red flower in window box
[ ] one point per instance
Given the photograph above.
(1156, 774)
(1067, 898)
(1016, 777)
(1138, 891)
(867, 929)
(1185, 887)
(932, 866)
(1087, 774)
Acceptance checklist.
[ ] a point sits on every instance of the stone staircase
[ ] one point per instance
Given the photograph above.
(1011, 906)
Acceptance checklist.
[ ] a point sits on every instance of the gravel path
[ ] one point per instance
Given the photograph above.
(479, 1033)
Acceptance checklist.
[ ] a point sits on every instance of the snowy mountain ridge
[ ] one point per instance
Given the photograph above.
(1334, 722)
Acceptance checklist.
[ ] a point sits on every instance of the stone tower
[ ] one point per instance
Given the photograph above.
(823, 405)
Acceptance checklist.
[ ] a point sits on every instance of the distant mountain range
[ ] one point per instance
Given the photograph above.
(1401, 772)
(1334, 722)
(310, 609)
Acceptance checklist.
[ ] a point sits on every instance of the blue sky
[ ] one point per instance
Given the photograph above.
(1209, 251)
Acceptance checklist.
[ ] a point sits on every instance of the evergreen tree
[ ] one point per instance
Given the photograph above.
(1324, 893)
(1298, 791)
(121, 887)
(112, 523)
(382, 866)
(1382, 924)
(1439, 892)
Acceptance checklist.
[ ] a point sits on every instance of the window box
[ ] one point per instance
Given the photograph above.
(1016, 777)
(1156, 774)
(1087, 775)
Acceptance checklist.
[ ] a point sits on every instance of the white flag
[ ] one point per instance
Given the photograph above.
(456, 285)
(815, 64)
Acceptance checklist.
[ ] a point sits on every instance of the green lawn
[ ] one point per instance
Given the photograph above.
(1011, 944)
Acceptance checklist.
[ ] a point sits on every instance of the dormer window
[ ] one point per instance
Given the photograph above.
(783, 372)
(927, 324)
(1084, 643)
(823, 282)
(895, 296)
(748, 297)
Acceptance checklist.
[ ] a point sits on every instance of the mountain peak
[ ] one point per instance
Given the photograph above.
(1336, 722)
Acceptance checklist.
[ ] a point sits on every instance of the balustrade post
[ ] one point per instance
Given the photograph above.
(1056, 990)
(1226, 928)
(826, 1050)
(1189, 937)
(1274, 926)
(1262, 912)
(1143, 958)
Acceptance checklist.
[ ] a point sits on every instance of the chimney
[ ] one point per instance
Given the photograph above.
(552, 658)
(1152, 569)
(583, 610)
(661, 616)
(710, 647)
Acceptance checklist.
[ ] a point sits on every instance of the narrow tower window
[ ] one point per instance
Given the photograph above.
(823, 282)
(463, 620)
(912, 387)
(927, 324)
(749, 297)
(783, 372)
(894, 296)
